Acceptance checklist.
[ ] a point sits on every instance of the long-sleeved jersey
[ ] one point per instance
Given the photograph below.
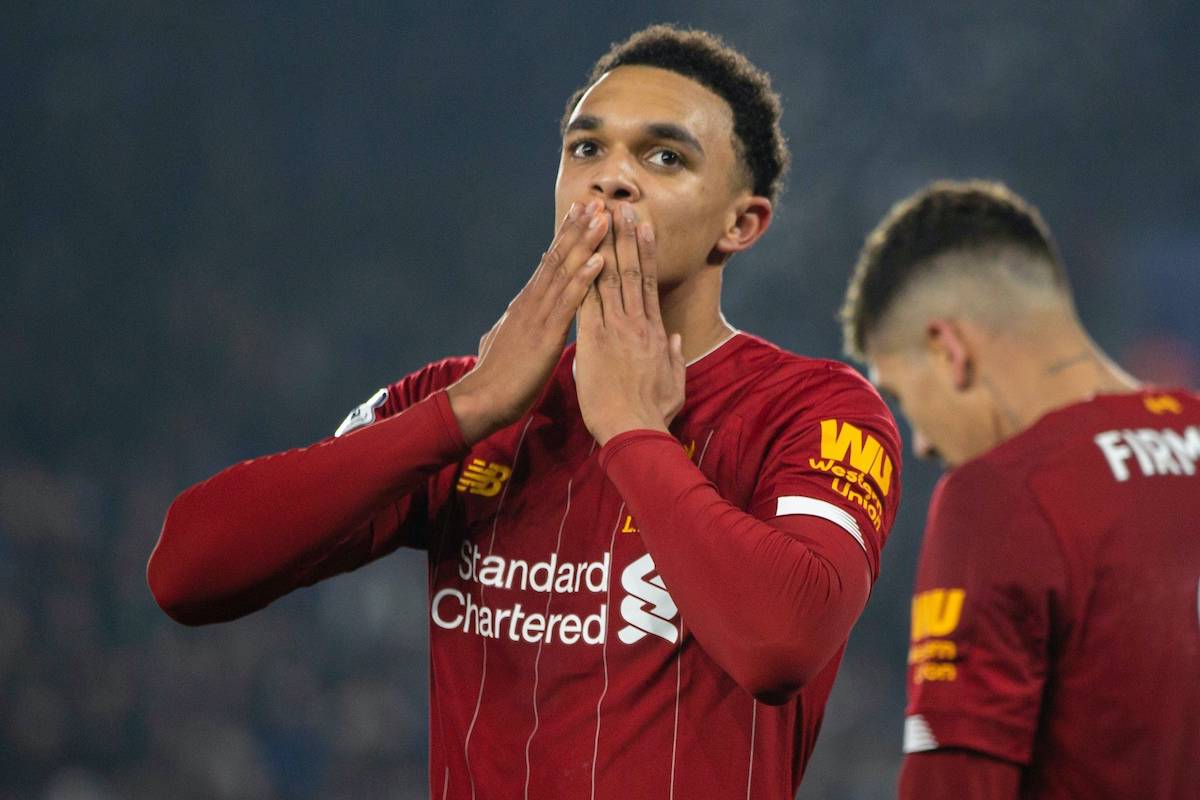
(1056, 623)
(661, 617)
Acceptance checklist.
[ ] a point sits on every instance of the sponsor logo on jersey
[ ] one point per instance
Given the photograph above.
(480, 477)
(861, 468)
(363, 415)
(647, 609)
(1155, 452)
(935, 615)
(1162, 404)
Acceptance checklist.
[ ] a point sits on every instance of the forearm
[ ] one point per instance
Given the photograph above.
(958, 775)
(259, 529)
(769, 602)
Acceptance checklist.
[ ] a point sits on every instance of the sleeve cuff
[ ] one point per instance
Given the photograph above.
(623, 441)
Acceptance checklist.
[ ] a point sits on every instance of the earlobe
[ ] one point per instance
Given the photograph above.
(751, 220)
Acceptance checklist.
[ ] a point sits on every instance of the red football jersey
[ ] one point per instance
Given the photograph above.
(561, 665)
(1055, 619)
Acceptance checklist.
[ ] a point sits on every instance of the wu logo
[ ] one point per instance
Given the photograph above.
(936, 612)
(647, 608)
(483, 478)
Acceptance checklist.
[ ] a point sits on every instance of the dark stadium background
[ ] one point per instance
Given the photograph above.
(222, 226)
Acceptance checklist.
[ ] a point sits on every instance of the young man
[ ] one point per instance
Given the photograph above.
(646, 550)
(1055, 639)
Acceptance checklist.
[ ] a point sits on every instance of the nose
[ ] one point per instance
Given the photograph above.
(613, 181)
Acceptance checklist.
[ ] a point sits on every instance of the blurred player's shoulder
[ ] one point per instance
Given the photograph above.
(1079, 457)
(1148, 422)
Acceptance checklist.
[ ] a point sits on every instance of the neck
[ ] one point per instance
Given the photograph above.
(1039, 379)
(693, 310)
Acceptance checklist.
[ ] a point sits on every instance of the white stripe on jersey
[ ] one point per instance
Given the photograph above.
(679, 644)
(537, 720)
(753, 729)
(812, 507)
(917, 736)
(483, 673)
(604, 652)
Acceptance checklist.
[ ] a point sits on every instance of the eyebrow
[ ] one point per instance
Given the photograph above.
(659, 130)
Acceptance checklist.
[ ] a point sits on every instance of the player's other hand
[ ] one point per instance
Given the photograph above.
(518, 354)
(629, 374)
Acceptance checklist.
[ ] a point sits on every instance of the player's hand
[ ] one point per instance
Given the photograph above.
(518, 354)
(629, 374)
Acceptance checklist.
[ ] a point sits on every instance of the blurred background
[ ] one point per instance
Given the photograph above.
(223, 226)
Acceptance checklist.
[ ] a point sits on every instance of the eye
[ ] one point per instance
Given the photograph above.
(666, 158)
(584, 148)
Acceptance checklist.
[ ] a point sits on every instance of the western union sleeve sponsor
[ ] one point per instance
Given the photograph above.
(935, 615)
(861, 469)
(847, 443)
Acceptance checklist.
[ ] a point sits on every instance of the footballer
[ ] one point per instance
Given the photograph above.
(1055, 632)
(647, 548)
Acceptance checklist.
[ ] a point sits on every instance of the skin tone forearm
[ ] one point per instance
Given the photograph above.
(517, 356)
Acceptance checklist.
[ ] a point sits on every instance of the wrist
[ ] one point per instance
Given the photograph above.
(472, 411)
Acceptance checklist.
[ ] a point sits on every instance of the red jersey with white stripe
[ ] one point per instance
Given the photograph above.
(1055, 622)
(561, 663)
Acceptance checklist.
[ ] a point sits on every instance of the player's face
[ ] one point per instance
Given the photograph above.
(946, 423)
(663, 143)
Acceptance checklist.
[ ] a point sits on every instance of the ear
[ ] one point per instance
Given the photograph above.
(952, 351)
(751, 218)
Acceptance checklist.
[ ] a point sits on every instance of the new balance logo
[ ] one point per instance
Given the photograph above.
(647, 608)
(483, 478)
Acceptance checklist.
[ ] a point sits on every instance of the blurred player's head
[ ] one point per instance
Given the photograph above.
(958, 296)
(687, 130)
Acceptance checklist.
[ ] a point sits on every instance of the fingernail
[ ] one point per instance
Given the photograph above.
(593, 207)
(595, 222)
(646, 231)
(595, 261)
(627, 212)
(573, 212)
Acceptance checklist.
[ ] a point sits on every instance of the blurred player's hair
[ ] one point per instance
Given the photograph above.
(980, 231)
(706, 59)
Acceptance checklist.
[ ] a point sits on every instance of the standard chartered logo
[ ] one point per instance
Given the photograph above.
(647, 608)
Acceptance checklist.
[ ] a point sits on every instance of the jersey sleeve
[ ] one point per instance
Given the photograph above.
(834, 454)
(405, 521)
(405, 393)
(261, 528)
(990, 584)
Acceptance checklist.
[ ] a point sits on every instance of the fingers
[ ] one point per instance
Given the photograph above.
(628, 262)
(608, 284)
(581, 232)
(575, 292)
(648, 250)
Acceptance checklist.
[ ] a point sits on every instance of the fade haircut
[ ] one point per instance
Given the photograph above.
(1003, 242)
(703, 57)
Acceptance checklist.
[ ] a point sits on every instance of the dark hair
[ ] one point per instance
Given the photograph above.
(973, 216)
(706, 59)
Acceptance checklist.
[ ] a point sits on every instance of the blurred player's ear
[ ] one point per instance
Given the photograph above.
(750, 219)
(951, 351)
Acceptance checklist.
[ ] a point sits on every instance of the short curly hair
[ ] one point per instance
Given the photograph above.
(973, 216)
(758, 138)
